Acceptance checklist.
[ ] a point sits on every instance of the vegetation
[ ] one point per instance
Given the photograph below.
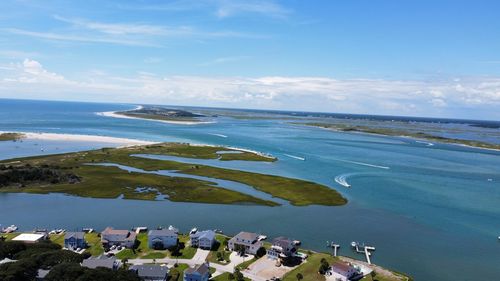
(218, 254)
(11, 136)
(23, 175)
(161, 113)
(94, 242)
(177, 272)
(398, 133)
(310, 270)
(111, 182)
(227, 276)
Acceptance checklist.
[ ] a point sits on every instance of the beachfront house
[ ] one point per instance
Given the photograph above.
(160, 239)
(198, 273)
(74, 240)
(203, 239)
(343, 271)
(246, 242)
(282, 248)
(152, 272)
(101, 261)
(125, 238)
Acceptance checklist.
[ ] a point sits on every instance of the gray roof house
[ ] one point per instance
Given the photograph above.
(74, 240)
(198, 273)
(123, 238)
(101, 261)
(282, 248)
(203, 239)
(162, 238)
(151, 272)
(247, 241)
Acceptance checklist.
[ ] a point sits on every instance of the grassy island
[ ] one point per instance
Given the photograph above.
(402, 133)
(11, 136)
(81, 174)
(162, 114)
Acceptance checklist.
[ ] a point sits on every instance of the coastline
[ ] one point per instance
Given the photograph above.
(401, 136)
(115, 114)
(122, 142)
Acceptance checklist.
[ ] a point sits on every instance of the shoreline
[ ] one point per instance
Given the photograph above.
(403, 136)
(123, 142)
(115, 114)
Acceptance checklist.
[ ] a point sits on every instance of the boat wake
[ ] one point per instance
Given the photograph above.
(218, 135)
(364, 164)
(425, 142)
(295, 157)
(342, 180)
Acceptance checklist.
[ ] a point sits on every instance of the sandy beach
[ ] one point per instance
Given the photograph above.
(121, 142)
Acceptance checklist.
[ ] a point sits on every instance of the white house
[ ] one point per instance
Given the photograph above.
(203, 239)
(282, 248)
(29, 237)
(247, 241)
(343, 271)
(162, 238)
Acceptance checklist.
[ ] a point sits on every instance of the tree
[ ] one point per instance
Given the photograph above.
(65, 272)
(299, 276)
(230, 276)
(238, 275)
(261, 252)
(220, 256)
(323, 268)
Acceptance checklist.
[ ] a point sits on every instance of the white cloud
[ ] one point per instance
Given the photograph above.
(224, 60)
(481, 95)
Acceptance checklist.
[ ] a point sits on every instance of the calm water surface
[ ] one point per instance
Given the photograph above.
(431, 211)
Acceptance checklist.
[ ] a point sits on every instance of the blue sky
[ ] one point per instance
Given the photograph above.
(424, 58)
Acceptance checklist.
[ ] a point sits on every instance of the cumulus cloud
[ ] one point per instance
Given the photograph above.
(373, 96)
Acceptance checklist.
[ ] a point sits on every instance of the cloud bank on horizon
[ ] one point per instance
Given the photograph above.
(251, 54)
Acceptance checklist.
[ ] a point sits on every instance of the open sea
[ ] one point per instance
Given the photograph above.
(431, 210)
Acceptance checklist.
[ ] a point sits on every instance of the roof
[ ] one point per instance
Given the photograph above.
(207, 234)
(28, 237)
(247, 236)
(76, 235)
(162, 232)
(201, 269)
(342, 266)
(101, 261)
(282, 241)
(150, 270)
(42, 273)
(6, 260)
(110, 230)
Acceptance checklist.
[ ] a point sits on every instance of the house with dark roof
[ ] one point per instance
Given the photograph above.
(101, 261)
(198, 273)
(74, 240)
(162, 238)
(152, 272)
(282, 248)
(125, 238)
(245, 241)
(203, 239)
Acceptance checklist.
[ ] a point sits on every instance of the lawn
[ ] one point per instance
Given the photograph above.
(9, 236)
(177, 273)
(244, 265)
(57, 238)
(212, 256)
(225, 277)
(309, 269)
(94, 242)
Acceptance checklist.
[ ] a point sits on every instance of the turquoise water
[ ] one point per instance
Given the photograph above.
(431, 211)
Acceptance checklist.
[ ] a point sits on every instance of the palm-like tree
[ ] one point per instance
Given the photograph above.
(299, 276)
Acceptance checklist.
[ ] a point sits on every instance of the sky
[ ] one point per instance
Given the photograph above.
(435, 58)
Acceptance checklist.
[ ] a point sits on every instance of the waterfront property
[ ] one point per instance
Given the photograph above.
(343, 271)
(74, 240)
(198, 273)
(101, 261)
(151, 272)
(29, 237)
(282, 248)
(203, 239)
(245, 242)
(160, 239)
(125, 238)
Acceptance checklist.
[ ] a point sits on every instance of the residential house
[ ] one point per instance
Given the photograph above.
(198, 273)
(282, 248)
(41, 274)
(74, 240)
(343, 271)
(162, 238)
(246, 241)
(151, 272)
(101, 261)
(203, 239)
(125, 238)
(29, 237)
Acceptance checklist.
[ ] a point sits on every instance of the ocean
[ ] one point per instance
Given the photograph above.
(432, 211)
